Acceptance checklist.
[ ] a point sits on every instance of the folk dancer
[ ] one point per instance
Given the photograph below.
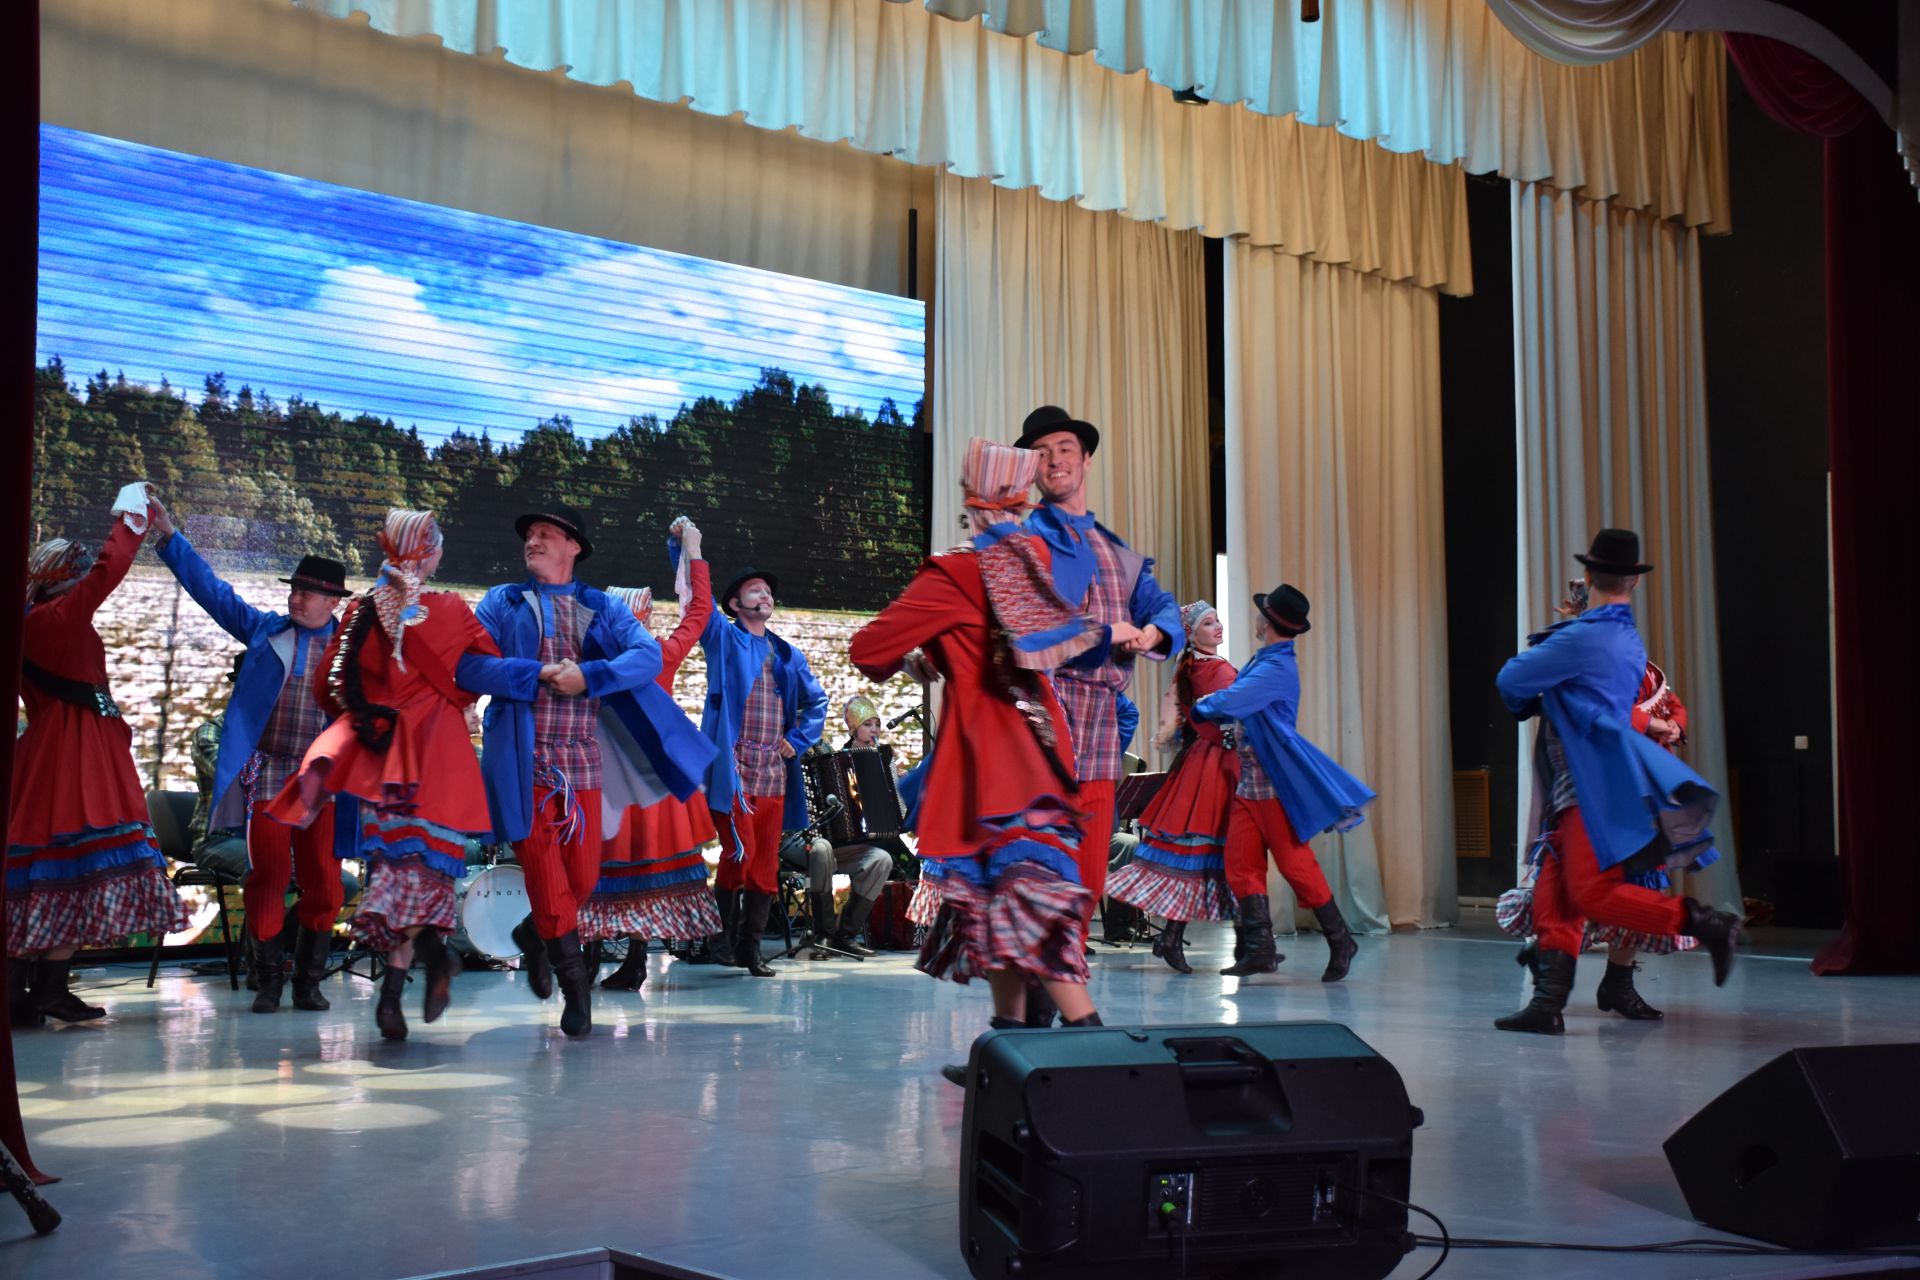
(1659, 713)
(598, 731)
(1609, 802)
(1289, 791)
(271, 720)
(1179, 867)
(653, 879)
(81, 863)
(399, 745)
(999, 805)
(764, 710)
(1095, 571)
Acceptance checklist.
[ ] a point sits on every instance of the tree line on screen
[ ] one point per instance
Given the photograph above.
(832, 502)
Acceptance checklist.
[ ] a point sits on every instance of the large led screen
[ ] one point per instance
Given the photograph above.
(287, 359)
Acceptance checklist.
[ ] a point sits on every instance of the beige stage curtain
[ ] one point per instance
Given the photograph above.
(1610, 380)
(260, 83)
(1039, 302)
(893, 79)
(1444, 78)
(1334, 485)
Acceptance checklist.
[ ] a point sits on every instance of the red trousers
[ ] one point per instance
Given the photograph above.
(275, 850)
(560, 876)
(759, 833)
(1096, 839)
(1571, 889)
(1256, 828)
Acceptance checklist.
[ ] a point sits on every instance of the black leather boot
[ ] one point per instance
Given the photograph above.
(1616, 995)
(632, 971)
(1171, 946)
(720, 945)
(819, 925)
(443, 966)
(750, 928)
(270, 963)
(1552, 982)
(310, 970)
(20, 1010)
(576, 984)
(1340, 944)
(533, 959)
(853, 921)
(1528, 958)
(1717, 931)
(387, 1014)
(1256, 932)
(956, 1072)
(52, 996)
(1041, 1010)
(1091, 1020)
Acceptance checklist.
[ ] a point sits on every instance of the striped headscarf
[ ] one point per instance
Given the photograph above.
(53, 562)
(1191, 615)
(408, 538)
(638, 599)
(998, 479)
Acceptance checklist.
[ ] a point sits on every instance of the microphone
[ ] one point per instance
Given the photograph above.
(909, 714)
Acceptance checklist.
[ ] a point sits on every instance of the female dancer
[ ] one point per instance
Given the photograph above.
(653, 879)
(400, 745)
(82, 868)
(1179, 870)
(999, 807)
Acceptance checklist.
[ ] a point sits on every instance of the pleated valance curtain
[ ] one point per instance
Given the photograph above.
(1038, 302)
(1334, 484)
(1610, 380)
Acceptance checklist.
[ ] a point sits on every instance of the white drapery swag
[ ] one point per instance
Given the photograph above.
(1039, 302)
(1334, 485)
(1610, 380)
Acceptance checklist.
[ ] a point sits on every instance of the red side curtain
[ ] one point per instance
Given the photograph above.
(1873, 449)
(19, 274)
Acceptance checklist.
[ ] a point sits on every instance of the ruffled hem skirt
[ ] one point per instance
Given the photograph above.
(1018, 904)
(92, 889)
(403, 893)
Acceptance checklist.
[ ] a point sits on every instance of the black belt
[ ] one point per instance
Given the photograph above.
(96, 698)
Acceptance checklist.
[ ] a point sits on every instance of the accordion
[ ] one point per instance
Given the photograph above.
(861, 779)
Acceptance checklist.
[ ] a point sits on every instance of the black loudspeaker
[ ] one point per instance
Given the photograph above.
(1184, 1151)
(1819, 1149)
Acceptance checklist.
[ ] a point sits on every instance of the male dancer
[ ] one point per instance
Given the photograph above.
(764, 710)
(1098, 573)
(1289, 791)
(271, 720)
(1610, 802)
(543, 758)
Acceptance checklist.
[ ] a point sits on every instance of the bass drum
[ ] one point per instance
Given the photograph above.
(487, 905)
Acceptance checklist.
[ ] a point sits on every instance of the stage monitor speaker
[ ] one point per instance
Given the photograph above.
(1818, 1149)
(1184, 1151)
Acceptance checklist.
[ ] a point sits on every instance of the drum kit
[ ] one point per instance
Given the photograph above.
(488, 902)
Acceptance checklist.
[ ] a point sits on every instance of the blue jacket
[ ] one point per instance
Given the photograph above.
(1147, 600)
(1584, 674)
(734, 658)
(271, 640)
(1316, 792)
(643, 733)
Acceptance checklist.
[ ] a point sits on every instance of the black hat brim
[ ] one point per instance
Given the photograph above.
(1623, 570)
(532, 518)
(1088, 433)
(314, 584)
(741, 579)
(1299, 628)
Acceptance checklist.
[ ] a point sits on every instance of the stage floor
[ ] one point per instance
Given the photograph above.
(799, 1128)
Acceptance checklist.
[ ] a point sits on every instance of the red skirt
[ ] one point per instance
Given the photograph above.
(1179, 868)
(73, 772)
(671, 825)
(1198, 795)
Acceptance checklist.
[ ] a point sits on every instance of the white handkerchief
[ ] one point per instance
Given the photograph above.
(132, 505)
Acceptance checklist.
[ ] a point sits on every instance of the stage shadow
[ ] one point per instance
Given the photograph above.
(1643, 1180)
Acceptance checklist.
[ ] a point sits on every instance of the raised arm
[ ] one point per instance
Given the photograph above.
(209, 590)
(109, 569)
(695, 611)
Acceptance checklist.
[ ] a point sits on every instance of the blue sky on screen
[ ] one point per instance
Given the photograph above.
(161, 264)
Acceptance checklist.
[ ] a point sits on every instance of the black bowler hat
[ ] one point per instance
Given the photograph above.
(741, 579)
(317, 573)
(561, 516)
(1048, 419)
(1615, 551)
(1286, 608)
